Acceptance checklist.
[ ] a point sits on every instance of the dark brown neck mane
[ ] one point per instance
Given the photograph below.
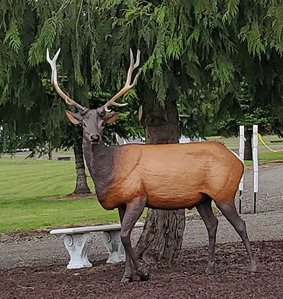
(100, 162)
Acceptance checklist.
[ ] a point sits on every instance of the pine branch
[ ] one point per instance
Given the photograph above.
(12, 37)
(45, 39)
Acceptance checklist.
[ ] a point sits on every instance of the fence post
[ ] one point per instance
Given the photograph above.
(241, 155)
(255, 162)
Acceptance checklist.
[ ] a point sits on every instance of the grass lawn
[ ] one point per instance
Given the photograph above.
(33, 193)
(270, 156)
(263, 156)
(234, 141)
(31, 196)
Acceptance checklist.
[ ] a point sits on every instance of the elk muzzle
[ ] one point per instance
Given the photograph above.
(94, 138)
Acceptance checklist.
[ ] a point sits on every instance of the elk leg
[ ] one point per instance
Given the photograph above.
(131, 215)
(128, 273)
(230, 212)
(211, 223)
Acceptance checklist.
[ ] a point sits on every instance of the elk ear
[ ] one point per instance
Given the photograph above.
(75, 118)
(111, 117)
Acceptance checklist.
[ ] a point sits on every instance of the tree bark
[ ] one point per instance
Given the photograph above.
(50, 149)
(163, 231)
(248, 152)
(81, 183)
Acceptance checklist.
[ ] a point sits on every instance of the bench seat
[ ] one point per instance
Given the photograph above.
(78, 241)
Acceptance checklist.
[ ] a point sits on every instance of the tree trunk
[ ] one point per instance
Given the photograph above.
(248, 152)
(81, 184)
(163, 231)
(50, 149)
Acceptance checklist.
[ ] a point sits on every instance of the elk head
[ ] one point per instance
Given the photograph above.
(93, 121)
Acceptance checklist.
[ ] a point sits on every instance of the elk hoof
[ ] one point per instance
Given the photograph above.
(144, 277)
(126, 279)
(252, 267)
(210, 268)
(143, 274)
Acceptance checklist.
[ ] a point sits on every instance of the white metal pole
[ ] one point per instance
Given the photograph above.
(241, 155)
(255, 162)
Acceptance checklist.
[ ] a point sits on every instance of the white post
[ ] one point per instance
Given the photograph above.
(241, 155)
(255, 162)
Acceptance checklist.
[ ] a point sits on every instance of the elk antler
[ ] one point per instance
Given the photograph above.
(54, 82)
(128, 84)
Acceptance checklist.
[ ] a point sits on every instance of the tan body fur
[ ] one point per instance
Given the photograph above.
(173, 176)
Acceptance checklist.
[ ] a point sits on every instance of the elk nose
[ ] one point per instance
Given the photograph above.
(95, 138)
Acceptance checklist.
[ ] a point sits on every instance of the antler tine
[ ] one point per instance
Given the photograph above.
(128, 84)
(54, 82)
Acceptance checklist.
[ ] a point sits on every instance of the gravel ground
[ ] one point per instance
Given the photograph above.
(41, 248)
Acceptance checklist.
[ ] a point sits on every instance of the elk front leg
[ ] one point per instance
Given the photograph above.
(128, 273)
(130, 216)
(211, 223)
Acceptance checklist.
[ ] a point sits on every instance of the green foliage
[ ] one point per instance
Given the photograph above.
(231, 11)
(197, 112)
(51, 28)
(32, 114)
(13, 37)
(200, 51)
(263, 28)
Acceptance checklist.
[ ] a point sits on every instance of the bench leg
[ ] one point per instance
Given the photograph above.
(78, 246)
(114, 246)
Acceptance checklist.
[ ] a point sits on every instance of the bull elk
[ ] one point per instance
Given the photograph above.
(166, 176)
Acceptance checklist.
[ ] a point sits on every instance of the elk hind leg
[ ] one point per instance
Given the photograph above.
(130, 216)
(211, 223)
(230, 212)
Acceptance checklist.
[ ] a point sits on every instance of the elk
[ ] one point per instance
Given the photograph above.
(165, 176)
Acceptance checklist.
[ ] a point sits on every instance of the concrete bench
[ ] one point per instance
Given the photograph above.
(64, 158)
(78, 241)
